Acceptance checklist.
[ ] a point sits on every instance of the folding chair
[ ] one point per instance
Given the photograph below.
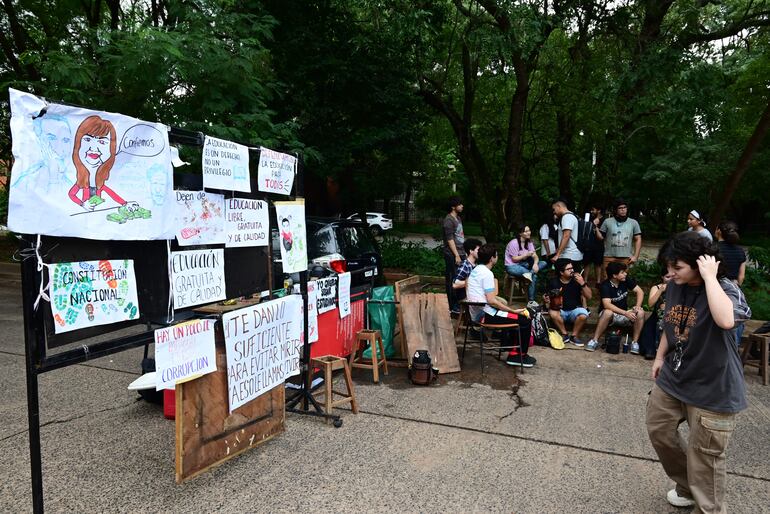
(491, 327)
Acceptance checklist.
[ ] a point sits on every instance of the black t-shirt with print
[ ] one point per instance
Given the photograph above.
(571, 292)
(618, 295)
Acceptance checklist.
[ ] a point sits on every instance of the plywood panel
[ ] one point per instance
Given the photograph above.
(207, 434)
(427, 326)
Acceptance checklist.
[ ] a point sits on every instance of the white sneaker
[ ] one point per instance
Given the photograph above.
(679, 501)
(527, 276)
(591, 346)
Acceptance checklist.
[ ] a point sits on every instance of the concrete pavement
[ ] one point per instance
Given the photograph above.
(568, 436)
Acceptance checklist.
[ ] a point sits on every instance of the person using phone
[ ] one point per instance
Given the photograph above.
(698, 373)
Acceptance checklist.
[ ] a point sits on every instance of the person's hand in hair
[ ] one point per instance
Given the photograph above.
(708, 266)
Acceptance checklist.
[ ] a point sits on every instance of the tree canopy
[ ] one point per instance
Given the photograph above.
(518, 102)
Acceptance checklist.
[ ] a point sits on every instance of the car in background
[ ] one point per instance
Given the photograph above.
(335, 246)
(378, 221)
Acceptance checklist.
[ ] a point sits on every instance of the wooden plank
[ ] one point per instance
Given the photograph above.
(207, 434)
(427, 326)
(220, 308)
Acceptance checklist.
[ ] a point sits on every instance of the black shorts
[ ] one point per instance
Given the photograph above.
(593, 256)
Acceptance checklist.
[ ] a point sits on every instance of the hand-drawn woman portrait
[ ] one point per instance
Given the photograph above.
(94, 155)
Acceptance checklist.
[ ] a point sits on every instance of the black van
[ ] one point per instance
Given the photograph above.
(335, 245)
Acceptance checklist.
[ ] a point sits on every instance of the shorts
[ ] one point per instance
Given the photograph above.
(593, 256)
(618, 320)
(571, 316)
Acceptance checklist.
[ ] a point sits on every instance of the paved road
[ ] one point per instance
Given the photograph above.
(568, 437)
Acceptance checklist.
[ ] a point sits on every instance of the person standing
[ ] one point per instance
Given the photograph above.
(696, 223)
(594, 254)
(734, 256)
(698, 373)
(454, 237)
(622, 237)
(567, 235)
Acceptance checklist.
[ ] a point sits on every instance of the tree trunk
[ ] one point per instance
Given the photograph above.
(760, 131)
(565, 131)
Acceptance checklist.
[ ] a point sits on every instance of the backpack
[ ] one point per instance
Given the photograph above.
(585, 234)
(540, 329)
(557, 342)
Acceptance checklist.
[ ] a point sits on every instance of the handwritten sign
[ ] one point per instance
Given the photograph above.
(326, 294)
(225, 165)
(343, 279)
(247, 223)
(312, 312)
(95, 175)
(198, 276)
(276, 172)
(263, 344)
(90, 293)
(293, 242)
(200, 218)
(184, 351)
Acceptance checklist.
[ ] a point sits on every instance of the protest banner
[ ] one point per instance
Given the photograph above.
(263, 344)
(225, 165)
(291, 223)
(276, 172)
(184, 351)
(343, 281)
(90, 293)
(312, 312)
(248, 223)
(198, 276)
(326, 293)
(200, 218)
(95, 175)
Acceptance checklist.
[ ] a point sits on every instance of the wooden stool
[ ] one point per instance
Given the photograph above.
(763, 341)
(374, 338)
(512, 284)
(330, 363)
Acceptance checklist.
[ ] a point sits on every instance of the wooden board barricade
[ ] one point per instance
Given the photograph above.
(425, 323)
(206, 433)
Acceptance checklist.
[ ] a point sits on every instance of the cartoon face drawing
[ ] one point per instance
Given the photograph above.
(55, 136)
(94, 150)
(158, 181)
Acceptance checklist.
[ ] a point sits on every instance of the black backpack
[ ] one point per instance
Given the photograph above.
(585, 234)
(539, 328)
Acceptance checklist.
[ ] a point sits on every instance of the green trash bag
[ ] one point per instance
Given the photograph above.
(382, 317)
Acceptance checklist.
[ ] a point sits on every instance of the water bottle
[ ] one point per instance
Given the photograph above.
(625, 345)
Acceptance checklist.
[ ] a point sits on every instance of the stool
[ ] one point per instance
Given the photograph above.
(763, 341)
(330, 363)
(511, 284)
(374, 338)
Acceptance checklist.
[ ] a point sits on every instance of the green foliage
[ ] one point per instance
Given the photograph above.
(757, 290)
(411, 257)
(761, 255)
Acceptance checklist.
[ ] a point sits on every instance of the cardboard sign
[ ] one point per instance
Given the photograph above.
(248, 223)
(312, 312)
(225, 165)
(276, 172)
(200, 218)
(95, 175)
(184, 351)
(293, 242)
(343, 279)
(326, 294)
(90, 293)
(263, 344)
(198, 276)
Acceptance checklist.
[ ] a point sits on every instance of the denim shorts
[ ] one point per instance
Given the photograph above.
(571, 316)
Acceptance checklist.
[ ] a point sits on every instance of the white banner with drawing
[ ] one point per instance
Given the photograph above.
(95, 175)
(200, 218)
(293, 241)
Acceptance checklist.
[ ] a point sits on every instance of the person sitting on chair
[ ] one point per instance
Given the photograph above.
(521, 260)
(614, 292)
(480, 288)
(571, 288)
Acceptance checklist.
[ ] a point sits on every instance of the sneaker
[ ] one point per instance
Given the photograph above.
(566, 338)
(634, 347)
(679, 501)
(591, 346)
(527, 276)
(574, 341)
(515, 360)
